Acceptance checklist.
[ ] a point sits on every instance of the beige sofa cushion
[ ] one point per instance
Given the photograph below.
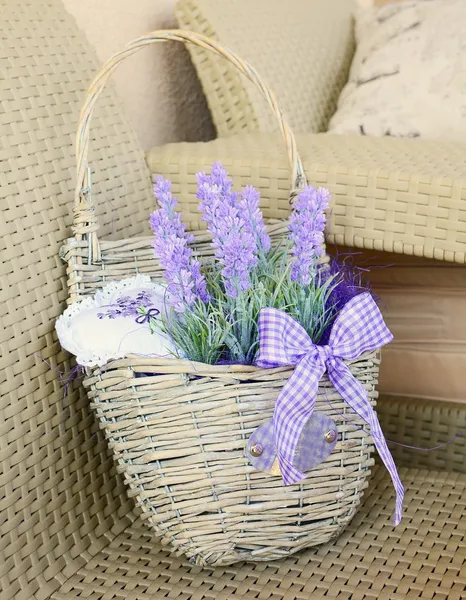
(423, 302)
(302, 48)
(396, 195)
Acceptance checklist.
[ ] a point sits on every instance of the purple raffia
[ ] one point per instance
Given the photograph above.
(186, 283)
(307, 223)
(349, 284)
(235, 241)
(66, 379)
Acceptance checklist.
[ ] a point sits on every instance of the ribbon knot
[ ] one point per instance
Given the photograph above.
(359, 328)
(324, 353)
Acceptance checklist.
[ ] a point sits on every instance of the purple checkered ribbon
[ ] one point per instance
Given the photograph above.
(359, 328)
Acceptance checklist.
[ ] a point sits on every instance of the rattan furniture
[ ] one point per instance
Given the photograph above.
(398, 202)
(68, 530)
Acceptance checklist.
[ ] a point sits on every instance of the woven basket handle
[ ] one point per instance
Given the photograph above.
(85, 221)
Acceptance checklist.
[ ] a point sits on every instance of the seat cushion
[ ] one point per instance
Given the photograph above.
(423, 558)
(396, 195)
(302, 48)
(423, 302)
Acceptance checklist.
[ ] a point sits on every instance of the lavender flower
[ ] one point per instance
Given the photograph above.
(219, 178)
(234, 239)
(185, 281)
(307, 224)
(249, 202)
(218, 183)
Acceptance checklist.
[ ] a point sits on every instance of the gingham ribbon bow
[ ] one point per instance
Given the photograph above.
(359, 328)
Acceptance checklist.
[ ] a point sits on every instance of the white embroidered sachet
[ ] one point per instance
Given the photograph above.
(118, 320)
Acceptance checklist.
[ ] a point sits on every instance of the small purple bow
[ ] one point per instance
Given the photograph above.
(359, 328)
(146, 317)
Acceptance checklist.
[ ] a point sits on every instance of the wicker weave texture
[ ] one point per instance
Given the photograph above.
(302, 48)
(397, 195)
(59, 496)
(180, 439)
(424, 558)
(207, 514)
(63, 509)
(425, 424)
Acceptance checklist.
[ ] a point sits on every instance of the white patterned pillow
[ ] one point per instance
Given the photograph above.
(408, 77)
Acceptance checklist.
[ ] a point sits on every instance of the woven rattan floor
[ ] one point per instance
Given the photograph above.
(425, 557)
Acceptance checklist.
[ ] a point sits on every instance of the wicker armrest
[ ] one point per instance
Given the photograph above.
(398, 195)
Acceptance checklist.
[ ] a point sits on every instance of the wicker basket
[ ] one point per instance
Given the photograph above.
(179, 436)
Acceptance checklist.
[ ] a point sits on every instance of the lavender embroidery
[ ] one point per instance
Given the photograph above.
(125, 306)
(147, 316)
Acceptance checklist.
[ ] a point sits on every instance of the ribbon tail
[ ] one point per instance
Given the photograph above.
(290, 474)
(294, 406)
(356, 397)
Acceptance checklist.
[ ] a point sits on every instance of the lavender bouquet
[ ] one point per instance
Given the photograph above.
(215, 305)
(272, 306)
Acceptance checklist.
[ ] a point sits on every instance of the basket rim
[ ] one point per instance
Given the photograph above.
(190, 367)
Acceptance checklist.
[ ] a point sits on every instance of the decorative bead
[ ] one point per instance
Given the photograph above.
(330, 436)
(256, 449)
